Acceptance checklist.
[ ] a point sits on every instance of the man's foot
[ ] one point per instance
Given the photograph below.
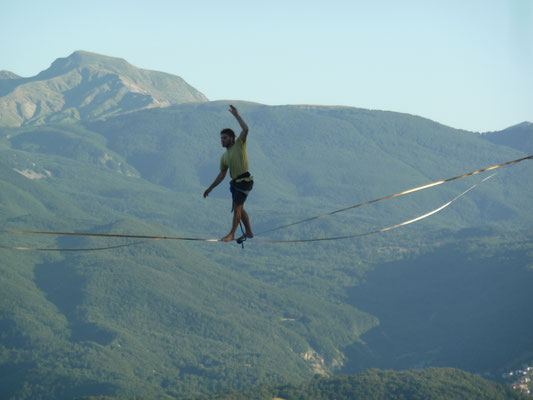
(228, 238)
(244, 237)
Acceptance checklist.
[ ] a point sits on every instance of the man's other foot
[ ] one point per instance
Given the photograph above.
(228, 238)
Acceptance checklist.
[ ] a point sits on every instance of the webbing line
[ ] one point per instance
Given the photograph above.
(396, 195)
(259, 240)
(76, 249)
(110, 235)
(148, 239)
(379, 230)
(274, 229)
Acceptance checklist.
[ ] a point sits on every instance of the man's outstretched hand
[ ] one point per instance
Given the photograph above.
(233, 111)
(243, 125)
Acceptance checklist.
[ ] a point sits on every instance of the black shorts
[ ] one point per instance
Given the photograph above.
(240, 191)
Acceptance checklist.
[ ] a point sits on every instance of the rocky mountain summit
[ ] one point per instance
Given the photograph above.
(87, 86)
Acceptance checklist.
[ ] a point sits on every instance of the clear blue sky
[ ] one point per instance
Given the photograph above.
(464, 63)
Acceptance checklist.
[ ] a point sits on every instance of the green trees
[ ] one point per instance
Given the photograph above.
(173, 319)
(431, 384)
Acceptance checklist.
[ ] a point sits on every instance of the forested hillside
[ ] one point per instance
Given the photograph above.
(176, 319)
(432, 384)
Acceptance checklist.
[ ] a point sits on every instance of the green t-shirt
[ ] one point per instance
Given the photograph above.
(236, 160)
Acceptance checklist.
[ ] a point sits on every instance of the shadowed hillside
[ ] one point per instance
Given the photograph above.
(171, 319)
(431, 384)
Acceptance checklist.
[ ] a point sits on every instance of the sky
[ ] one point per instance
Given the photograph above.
(467, 64)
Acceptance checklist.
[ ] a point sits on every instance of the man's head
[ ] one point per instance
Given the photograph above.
(227, 137)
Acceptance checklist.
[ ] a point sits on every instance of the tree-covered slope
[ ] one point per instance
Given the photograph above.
(518, 137)
(323, 158)
(464, 303)
(162, 319)
(174, 319)
(430, 384)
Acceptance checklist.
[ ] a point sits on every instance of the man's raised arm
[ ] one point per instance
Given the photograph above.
(243, 125)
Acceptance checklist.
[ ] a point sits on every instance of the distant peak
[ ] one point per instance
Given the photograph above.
(81, 53)
(8, 75)
(82, 59)
(525, 124)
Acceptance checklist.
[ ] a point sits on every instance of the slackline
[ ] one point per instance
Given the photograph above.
(75, 249)
(105, 235)
(428, 214)
(421, 217)
(408, 191)
(149, 238)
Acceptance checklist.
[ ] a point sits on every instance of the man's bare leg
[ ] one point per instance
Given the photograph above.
(237, 214)
(246, 221)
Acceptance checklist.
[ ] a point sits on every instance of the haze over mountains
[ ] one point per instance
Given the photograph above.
(109, 148)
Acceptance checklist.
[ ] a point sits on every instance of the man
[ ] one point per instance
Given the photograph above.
(236, 160)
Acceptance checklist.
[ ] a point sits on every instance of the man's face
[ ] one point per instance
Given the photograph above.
(226, 140)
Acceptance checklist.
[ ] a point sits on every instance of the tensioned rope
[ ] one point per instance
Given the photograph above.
(148, 238)
(106, 235)
(408, 191)
(259, 240)
(74, 249)
(383, 229)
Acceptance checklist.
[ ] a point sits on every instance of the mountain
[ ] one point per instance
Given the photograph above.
(170, 319)
(175, 319)
(383, 152)
(431, 384)
(472, 287)
(9, 75)
(519, 137)
(87, 86)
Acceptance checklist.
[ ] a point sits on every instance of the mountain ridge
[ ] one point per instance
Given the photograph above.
(519, 137)
(428, 384)
(169, 319)
(86, 86)
(9, 75)
(80, 59)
